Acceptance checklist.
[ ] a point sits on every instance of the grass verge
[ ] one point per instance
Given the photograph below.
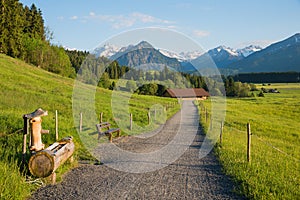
(274, 170)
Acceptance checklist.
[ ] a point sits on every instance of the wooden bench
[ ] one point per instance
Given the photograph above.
(109, 131)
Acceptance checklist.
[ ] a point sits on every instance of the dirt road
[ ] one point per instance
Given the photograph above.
(188, 177)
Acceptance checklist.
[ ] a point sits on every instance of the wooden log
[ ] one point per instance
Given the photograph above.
(45, 162)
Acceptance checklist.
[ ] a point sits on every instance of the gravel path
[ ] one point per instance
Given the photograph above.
(158, 177)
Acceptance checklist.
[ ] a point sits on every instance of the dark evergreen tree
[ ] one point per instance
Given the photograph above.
(11, 28)
(76, 58)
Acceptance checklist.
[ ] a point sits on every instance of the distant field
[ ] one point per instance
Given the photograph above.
(25, 88)
(274, 171)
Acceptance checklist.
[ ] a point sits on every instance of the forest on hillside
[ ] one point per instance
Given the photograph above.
(23, 35)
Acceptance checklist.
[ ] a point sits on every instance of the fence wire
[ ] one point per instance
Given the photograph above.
(262, 140)
(266, 143)
(274, 147)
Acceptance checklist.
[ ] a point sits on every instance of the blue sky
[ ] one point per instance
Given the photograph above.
(86, 24)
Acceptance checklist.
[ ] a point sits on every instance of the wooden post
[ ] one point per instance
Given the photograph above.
(130, 116)
(221, 132)
(53, 178)
(154, 113)
(25, 132)
(101, 117)
(248, 142)
(56, 125)
(80, 122)
(29, 142)
(149, 117)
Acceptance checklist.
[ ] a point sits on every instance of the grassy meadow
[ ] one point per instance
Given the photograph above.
(274, 170)
(25, 88)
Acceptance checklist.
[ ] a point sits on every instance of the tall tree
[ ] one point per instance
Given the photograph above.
(36, 23)
(11, 28)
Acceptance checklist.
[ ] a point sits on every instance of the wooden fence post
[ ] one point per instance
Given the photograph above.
(130, 121)
(154, 113)
(56, 125)
(101, 117)
(80, 122)
(25, 132)
(211, 123)
(221, 132)
(248, 142)
(149, 117)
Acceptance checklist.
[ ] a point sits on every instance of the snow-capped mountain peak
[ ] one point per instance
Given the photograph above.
(249, 50)
(182, 56)
(171, 54)
(191, 55)
(223, 50)
(107, 50)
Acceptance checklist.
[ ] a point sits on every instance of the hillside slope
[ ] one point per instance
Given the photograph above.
(25, 88)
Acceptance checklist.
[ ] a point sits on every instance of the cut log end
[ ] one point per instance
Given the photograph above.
(41, 164)
(44, 163)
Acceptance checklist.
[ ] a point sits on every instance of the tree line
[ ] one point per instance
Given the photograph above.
(24, 36)
(105, 73)
(268, 77)
(238, 89)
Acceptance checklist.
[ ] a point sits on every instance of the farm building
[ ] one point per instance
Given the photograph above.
(188, 93)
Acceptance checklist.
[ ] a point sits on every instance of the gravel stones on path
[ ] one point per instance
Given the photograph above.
(159, 176)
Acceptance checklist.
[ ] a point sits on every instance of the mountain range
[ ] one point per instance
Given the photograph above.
(281, 56)
(278, 57)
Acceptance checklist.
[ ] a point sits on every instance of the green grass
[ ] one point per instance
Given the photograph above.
(275, 123)
(25, 88)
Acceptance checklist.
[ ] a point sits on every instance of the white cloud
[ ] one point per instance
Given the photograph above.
(201, 33)
(125, 21)
(74, 17)
(142, 17)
